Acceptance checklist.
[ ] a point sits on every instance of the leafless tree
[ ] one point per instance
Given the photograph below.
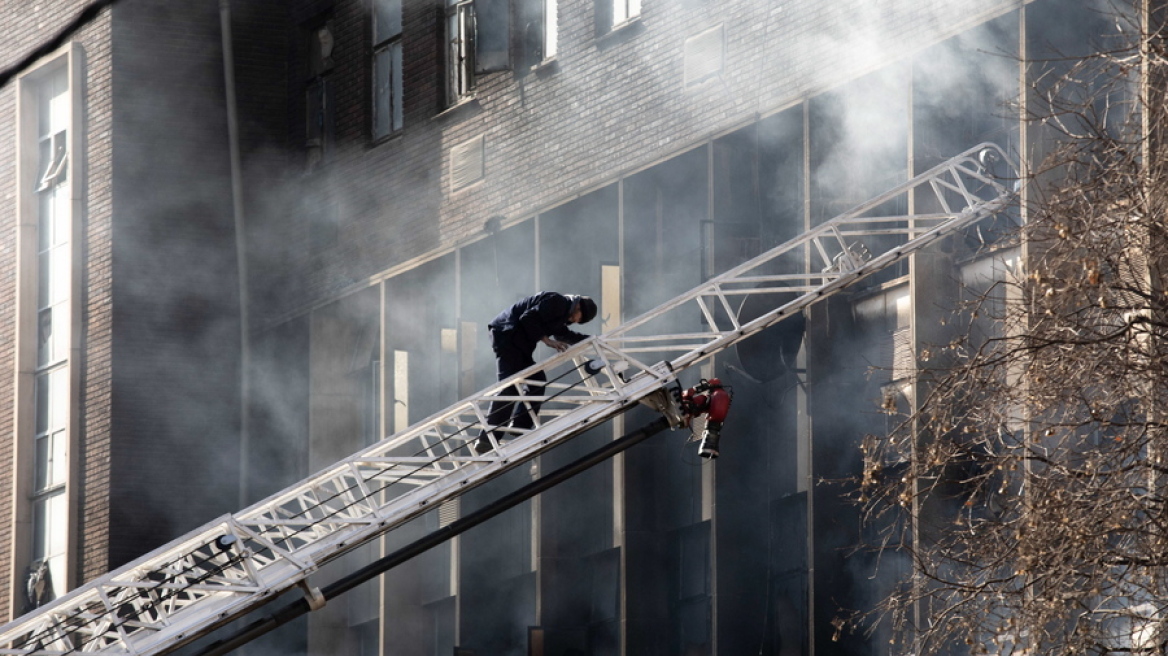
(1030, 483)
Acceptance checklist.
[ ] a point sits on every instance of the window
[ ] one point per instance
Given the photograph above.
(460, 48)
(319, 132)
(538, 19)
(387, 67)
(550, 31)
(612, 14)
(44, 437)
(624, 11)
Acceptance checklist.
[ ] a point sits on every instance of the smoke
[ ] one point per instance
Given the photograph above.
(175, 265)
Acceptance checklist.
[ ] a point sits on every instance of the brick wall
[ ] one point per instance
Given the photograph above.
(7, 313)
(175, 341)
(97, 302)
(26, 26)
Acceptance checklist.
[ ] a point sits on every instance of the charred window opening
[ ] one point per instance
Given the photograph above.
(460, 50)
(477, 40)
(387, 67)
(319, 115)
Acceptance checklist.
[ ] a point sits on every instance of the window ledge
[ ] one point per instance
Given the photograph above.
(627, 24)
(391, 137)
(621, 32)
(546, 67)
(461, 107)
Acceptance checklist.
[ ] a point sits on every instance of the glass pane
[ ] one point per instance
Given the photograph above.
(52, 335)
(55, 523)
(45, 341)
(396, 95)
(59, 403)
(59, 104)
(58, 459)
(387, 21)
(48, 529)
(43, 463)
(56, 576)
(59, 274)
(381, 94)
(44, 279)
(45, 221)
(61, 212)
(60, 332)
(50, 466)
(45, 107)
(620, 12)
(40, 533)
(45, 161)
(42, 401)
(314, 99)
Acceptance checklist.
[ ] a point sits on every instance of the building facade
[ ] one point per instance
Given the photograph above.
(408, 169)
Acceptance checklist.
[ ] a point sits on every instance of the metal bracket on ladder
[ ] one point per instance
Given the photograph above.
(200, 581)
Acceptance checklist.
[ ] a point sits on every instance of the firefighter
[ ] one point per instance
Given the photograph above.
(515, 333)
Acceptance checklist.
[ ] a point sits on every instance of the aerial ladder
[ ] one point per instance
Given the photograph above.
(241, 561)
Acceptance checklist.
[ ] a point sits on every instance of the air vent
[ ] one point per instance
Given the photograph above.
(466, 163)
(903, 362)
(704, 55)
(448, 512)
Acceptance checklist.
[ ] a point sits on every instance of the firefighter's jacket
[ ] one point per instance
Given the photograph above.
(544, 315)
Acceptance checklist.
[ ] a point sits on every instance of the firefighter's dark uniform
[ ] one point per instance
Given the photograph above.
(514, 335)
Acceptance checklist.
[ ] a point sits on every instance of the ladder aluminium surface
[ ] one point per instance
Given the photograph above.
(240, 561)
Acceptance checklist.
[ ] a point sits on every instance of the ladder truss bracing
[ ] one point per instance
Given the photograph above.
(240, 561)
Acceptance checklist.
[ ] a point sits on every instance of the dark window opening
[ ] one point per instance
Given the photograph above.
(460, 60)
(387, 68)
(319, 115)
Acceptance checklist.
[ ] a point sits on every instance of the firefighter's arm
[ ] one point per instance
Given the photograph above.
(555, 343)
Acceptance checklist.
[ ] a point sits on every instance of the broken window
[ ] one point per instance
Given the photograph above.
(387, 67)
(460, 50)
(53, 158)
(318, 96)
(478, 40)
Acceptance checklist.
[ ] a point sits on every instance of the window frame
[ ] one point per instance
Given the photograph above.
(459, 45)
(551, 29)
(318, 94)
(630, 12)
(615, 15)
(49, 127)
(388, 45)
(539, 32)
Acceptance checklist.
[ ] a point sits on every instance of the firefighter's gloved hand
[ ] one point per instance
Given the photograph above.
(555, 343)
